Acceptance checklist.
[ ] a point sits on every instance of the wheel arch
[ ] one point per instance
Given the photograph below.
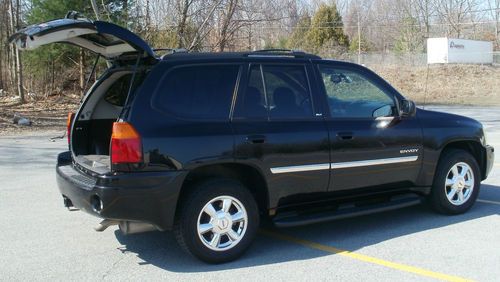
(252, 178)
(471, 146)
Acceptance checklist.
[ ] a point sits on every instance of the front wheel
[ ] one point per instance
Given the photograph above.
(456, 183)
(217, 221)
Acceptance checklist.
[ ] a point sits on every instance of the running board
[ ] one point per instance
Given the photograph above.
(294, 219)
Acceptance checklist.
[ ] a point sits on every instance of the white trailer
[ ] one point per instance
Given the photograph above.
(445, 50)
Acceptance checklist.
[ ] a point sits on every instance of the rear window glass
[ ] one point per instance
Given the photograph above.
(199, 92)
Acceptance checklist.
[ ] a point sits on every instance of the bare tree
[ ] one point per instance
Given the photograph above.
(454, 13)
(183, 7)
(3, 47)
(227, 26)
(424, 9)
(494, 7)
(201, 33)
(16, 63)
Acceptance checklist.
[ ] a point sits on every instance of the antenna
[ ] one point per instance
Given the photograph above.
(425, 90)
(359, 42)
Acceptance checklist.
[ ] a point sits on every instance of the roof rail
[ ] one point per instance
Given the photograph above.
(282, 53)
(170, 51)
(277, 50)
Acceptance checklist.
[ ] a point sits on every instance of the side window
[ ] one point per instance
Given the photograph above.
(252, 104)
(352, 95)
(199, 92)
(277, 91)
(118, 91)
(287, 91)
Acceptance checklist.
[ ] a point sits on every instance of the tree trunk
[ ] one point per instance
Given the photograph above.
(19, 76)
(95, 8)
(52, 77)
(181, 29)
(12, 52)
(125, 9)
(223, 34)
(19, 62)
(2, 52)
(16, 65)
(4, 48)
(82, 71)
(496, 18)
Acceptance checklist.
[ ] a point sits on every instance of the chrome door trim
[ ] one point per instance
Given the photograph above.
(299, 168)
(373, 162)
(339, 165)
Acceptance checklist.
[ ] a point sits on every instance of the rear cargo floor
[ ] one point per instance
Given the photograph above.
(98, 163)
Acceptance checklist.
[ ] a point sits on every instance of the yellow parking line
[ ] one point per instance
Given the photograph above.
(365, 258)
(488, 201)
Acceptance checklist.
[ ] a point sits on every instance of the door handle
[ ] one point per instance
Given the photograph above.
(256, 139)
(345, 135)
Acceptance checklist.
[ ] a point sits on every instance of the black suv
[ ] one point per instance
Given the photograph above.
(207, 144)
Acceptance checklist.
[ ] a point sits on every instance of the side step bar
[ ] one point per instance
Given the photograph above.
(294, 219)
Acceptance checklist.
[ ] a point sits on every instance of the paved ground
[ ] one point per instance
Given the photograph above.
(40, 240)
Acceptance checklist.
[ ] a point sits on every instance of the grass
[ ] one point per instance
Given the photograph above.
(446, 84)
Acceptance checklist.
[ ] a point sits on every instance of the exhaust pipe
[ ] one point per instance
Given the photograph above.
(133, 227)
(105, 224)
(126, 227)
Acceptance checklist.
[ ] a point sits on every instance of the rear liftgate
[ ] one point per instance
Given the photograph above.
(107, 40)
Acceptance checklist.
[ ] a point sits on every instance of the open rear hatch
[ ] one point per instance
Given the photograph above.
(91, 129)
(107, 39)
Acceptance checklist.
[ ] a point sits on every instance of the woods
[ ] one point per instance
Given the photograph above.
(344, 29)
(11, 60)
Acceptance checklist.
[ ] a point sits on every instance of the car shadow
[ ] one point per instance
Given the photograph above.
(160, 248)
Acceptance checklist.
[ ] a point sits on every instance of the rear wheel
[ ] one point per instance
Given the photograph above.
(217, 221)
(456, 183)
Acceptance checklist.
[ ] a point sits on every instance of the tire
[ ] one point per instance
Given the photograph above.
(234, 231)
(456, 183)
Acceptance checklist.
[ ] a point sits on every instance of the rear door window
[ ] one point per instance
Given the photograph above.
(277, 92)
(287, 91)
(252, 103)
(198, 92)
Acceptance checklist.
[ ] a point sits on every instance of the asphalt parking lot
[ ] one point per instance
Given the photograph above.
(41, 240)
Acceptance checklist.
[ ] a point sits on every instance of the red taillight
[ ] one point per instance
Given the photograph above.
(125, 144)
(69, 122)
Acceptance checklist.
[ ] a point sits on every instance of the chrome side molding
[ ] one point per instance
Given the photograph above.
(339, 165)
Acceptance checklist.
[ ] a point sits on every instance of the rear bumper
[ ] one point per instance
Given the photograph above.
(490, 159)
(147, 197)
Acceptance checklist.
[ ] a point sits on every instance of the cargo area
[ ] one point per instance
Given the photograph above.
(91, 133)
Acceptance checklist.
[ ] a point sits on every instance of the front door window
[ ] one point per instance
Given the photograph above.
(351, 94)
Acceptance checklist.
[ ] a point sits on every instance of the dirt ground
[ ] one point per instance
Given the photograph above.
(50, 114)
(446, 84)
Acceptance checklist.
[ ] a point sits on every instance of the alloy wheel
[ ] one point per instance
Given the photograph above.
(222, 223)
(459, 183)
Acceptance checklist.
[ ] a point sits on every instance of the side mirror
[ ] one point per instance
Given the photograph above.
(384, 111)
(335, 78)
(407, 108)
